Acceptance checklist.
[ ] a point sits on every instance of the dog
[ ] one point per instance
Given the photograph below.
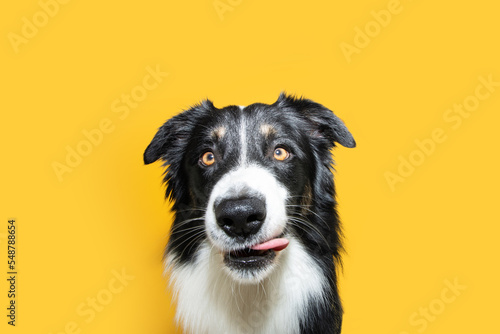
(256, 239)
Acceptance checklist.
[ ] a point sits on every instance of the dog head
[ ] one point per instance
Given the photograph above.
(245, 179)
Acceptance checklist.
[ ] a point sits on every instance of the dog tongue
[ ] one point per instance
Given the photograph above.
(274, 244)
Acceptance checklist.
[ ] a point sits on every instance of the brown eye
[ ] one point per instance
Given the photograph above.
(281, 154)
(207, 159)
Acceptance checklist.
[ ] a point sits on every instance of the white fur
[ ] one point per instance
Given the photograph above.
(247, 181)
(243, 141)
(209, 301)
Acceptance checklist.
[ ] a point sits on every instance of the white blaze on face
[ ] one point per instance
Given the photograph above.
(243, 139)
(247, 180)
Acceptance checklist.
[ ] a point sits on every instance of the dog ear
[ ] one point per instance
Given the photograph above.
(159, 145)
(168, 142)
(325, 123)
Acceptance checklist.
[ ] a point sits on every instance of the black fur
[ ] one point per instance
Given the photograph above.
(306, 129)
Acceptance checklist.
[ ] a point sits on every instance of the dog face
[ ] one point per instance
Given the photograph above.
(244, 179)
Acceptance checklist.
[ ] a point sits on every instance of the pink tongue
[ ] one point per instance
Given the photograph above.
(274, 244)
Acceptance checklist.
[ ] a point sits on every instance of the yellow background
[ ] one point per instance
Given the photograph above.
(108, 215)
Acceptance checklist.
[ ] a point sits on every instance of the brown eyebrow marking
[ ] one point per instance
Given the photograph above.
(267, 130)
(219, 132)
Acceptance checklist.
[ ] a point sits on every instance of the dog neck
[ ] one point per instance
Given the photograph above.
(210, 301)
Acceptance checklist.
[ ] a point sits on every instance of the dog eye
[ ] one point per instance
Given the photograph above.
(281, 154)
(207, 159)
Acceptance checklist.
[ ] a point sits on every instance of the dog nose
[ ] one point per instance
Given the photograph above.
(240, 217)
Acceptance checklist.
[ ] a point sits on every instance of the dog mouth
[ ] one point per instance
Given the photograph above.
(249, 258)
(256, 257)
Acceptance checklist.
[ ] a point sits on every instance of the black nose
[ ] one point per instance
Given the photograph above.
(240, 217)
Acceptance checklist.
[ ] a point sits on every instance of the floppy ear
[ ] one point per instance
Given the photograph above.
(158, 145)
(171, 138)
(332, 127)
(169, 135)
(325, 123)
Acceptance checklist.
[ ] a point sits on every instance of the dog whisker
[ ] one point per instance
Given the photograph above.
(304, 207)
(304, 224)
(193, 209)
(185, 222)
(194, 228)
(191, 241)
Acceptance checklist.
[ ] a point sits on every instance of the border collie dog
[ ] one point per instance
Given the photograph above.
(256, 238)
